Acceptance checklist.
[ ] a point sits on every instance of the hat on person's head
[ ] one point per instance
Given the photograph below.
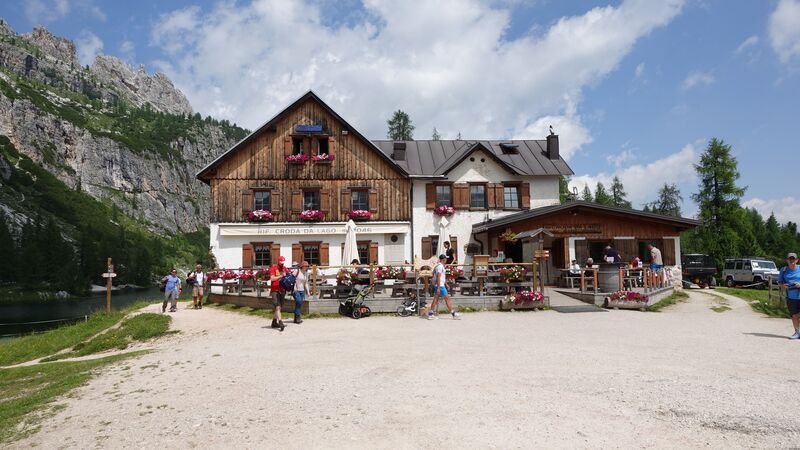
(304, 264)
(442, 256)
(791, 255)
(281, 259)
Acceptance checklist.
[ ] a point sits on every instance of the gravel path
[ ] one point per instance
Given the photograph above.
(685, 377)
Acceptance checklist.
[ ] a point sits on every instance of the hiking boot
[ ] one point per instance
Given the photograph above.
(297, 319)
(281, 325)
(274, 324)
(796, 335)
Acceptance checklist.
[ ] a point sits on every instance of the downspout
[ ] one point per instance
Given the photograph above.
(411, 215)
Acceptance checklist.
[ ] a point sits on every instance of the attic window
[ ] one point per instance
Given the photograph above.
(509, 148)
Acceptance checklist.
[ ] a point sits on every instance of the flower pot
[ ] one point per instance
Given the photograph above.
(625, 304)
(506, 305)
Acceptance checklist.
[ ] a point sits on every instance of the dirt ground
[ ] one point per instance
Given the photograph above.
(684, 377)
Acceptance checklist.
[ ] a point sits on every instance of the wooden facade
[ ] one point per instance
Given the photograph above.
(259, 164)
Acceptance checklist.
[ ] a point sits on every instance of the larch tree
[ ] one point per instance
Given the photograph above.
(602, 196)
(618, 194)
(718, 200)
(669, 201)
(435, 135)
(400, 127)
(587, 194)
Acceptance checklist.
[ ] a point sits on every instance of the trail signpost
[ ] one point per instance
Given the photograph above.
(109, 276)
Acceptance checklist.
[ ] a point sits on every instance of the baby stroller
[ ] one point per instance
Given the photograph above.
(410, 305)
(354, 305)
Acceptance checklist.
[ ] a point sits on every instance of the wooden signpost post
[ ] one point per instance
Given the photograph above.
(540, 256)
(108, 276)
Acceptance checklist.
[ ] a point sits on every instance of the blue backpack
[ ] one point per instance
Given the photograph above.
(287, 282)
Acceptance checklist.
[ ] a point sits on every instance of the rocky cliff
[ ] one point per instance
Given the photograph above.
(119, 134)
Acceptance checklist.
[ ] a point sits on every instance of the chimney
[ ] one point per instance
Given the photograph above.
(552, 146)
(399, 151)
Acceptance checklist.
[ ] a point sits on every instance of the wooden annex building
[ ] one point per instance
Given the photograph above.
(578, 230)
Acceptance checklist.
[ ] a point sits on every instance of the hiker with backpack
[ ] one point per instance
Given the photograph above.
(300, 291)
(277, 291)
(197, 280)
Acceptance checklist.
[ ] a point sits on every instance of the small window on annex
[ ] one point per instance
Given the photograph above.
(363, 252)
(477, 196)
(434, 245)
(263, 255)
(297, 146)
(322, 146)
(311, 253)
(511, 197)
(444, 195)
(311, 200)
(360, 200)
(263, 200)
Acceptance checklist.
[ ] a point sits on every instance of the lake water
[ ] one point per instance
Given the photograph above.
(16, 318)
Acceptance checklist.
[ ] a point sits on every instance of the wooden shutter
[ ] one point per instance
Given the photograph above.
(287, 146)
(297, 201)
(426, 247)
(454, 246)
(525, 195)
(461, 196)
(324, 254)
(490, 200)
(247, 202)
(275, 253)
(499, 198)
(248, 256)
(373, 252)
(331, 145)
(668, 252)
(430, 196)
(373, 200)
(345, 200)
(581, 251)
(275, 203)
(325, 201)
(297, 254)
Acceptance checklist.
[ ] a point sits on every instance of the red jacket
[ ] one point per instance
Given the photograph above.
(276, 285)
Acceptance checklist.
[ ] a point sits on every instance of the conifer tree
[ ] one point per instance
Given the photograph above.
(668, 202)
(587, 194)
(435, 136)
(400, 127)
(618, 194)
(601, 196)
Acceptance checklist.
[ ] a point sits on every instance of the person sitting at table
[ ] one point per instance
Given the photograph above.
(574, 268)
(360, 271)
(636, 263)
(610, 254)
(589, 263)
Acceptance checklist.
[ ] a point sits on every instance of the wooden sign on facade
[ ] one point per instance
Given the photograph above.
(573, 229)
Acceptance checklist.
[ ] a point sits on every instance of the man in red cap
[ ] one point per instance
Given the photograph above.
(277, 292)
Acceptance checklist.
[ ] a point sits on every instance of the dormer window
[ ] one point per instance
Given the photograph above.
(509, 148)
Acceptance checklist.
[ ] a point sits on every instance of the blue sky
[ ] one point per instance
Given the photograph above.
(635, 88)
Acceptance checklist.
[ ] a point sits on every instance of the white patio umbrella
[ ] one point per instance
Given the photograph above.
(350, 246)
(443, 236)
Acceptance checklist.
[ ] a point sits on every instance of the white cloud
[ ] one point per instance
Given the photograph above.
(447, 63)
(642, 181)
(572, 134)
(697, 78)
(746, 44)
(785, 209)
(127, 50)
(89, 46)
(626, 154)
(784, 29)
(639, 72)
(44, 11)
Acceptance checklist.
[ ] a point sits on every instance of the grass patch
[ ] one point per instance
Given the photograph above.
(138, 328)
(27, 393)
(759, 301)
(678, 296)
(35, 346)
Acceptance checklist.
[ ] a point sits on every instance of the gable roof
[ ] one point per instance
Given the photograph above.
(308, 95)
(437, 158)
(679, 222)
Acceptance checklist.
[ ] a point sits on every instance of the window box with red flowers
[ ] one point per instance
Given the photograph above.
(444, 210)
(360, 214)
(523, 300)
(312, 215)
(322, 158)
(512, 273)
(259, 215)
(626, 300)
(299, 158)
